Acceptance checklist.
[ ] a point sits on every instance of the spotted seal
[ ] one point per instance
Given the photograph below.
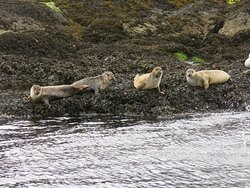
(97, 83)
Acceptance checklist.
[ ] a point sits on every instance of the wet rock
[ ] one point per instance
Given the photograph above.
(14, 23)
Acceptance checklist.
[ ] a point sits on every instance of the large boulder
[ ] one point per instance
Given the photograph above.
(237, 23)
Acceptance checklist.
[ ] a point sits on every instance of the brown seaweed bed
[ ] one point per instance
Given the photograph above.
(41, 46)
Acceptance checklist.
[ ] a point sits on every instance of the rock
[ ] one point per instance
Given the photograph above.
(143, 29)
(39, 46)
(237, 23)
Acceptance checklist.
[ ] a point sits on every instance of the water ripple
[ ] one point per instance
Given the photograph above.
(210, 150)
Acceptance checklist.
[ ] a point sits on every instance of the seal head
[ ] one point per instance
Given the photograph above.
(108, 76)
(190, 73)
(157, 72)
(35, 92)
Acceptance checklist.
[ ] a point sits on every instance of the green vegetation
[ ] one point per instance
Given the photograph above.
(232, 1)
(53, 6)
(181, 56)
(196, 59)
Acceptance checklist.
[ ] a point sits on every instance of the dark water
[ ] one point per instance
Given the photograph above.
(211, 150)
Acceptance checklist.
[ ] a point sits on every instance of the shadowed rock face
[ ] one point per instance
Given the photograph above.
(39, 46)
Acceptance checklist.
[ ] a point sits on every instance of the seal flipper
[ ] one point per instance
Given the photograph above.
(80, 86)
(161, 92)
(206, 84)
(96, 89)
(140, 86)
(46, 101)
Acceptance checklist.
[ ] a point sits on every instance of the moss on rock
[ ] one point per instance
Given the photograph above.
(53, 6)
(181, 56)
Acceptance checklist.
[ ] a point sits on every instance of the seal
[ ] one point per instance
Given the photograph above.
(247, 62)
(205, 77)
(46, 94)
(150, 80)
(96, 83)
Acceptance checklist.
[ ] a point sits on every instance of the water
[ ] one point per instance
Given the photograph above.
(210, 150)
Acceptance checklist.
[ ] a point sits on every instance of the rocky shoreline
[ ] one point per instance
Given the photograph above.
(41, 46)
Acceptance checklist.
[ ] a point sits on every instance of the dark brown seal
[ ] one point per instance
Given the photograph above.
(46, 94)
(97, 83)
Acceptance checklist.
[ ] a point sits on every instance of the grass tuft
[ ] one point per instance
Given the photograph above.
(231, 2)
(196, 59)
(53, 6)
(181, 56)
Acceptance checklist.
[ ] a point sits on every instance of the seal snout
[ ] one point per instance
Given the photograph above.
(35, 92)
(110, 75)
(190, 72)
(157, 72)
(36, 89)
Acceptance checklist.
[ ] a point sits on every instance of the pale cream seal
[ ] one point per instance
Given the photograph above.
(206, 77)
(150, 80)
